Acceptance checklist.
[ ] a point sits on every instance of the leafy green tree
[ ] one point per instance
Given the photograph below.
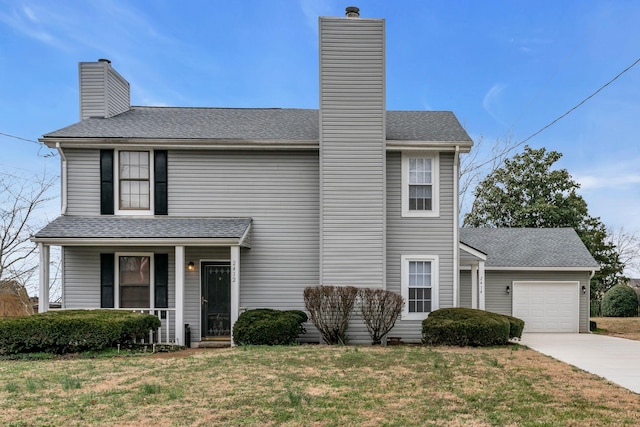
(594, 235)
(527, 192)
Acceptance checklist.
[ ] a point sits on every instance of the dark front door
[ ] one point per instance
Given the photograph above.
(216, 300)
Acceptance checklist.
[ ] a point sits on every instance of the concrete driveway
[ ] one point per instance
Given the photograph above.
(616, 359)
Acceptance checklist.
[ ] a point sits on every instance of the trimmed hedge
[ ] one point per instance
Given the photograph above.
(265, 326)
(469, 327)
(620, 301)
(70, 331)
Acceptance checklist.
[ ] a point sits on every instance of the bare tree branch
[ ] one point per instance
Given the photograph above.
(628, 247)
(21, 199)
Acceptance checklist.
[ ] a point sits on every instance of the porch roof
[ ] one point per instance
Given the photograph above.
(149, 231)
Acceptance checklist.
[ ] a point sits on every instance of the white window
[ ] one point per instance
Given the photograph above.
(419, 285)
(134, 275)
(420, 184)
(133, 189)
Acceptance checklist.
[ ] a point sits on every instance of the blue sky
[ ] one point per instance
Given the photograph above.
(505, 68)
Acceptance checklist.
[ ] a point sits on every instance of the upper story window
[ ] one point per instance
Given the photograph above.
(420, 185)
(134, 176)
(419, 285)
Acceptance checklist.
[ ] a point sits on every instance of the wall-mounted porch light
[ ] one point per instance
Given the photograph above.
(191, 266)
(508, 289)
(584, 289)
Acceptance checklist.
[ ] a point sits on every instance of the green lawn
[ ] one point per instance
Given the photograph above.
(313, 385)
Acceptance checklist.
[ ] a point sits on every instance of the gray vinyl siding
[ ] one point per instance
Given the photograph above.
(419, 236)
(83, 181)
(117, 93)
(352, 152)
(465, 288)
(103, 92)
(82, 273)
(498, 301)
(279, 190)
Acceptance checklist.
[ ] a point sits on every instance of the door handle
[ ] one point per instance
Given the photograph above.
(204, 301)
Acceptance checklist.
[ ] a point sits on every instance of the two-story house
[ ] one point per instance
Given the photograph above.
(197, 214)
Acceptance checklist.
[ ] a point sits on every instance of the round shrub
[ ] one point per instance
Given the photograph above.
(265, 326)
(469, 327)
(620, 301)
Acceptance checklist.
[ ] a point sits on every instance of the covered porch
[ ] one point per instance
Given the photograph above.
(472, 261)
(154, 265)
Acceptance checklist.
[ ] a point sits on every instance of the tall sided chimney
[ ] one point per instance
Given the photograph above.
(103, 92)
(352, 151)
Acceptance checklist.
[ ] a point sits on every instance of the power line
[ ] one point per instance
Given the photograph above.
(578, 105)
(41, 145)
(18, 137)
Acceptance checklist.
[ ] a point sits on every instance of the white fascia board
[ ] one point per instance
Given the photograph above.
(136, 242)
(488, 268)
(397, 145)
(242, 240)
(183, 144)
(471, 251)
(226, 144)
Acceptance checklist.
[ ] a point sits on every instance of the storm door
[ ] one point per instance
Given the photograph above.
(216, 300)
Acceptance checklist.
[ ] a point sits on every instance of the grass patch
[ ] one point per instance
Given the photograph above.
(623, 327)
(313, 385)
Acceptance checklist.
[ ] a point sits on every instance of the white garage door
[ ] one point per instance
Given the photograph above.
(547, 306)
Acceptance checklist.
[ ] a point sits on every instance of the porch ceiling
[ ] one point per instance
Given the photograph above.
(114, 230)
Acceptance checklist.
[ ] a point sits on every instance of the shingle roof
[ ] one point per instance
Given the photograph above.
(529, 247)
(113, 227)
(250, 124)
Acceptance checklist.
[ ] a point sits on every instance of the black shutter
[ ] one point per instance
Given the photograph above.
(160, 182)
(161, 271)
(106, 182)
(107, 280)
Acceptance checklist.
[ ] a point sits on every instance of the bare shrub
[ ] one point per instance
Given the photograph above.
(330, 309)
(380, 310)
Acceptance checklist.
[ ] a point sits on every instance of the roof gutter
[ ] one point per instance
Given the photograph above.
(63, 185)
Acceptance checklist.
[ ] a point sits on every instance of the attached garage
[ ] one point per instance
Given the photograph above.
(547, 306)
(540, 275)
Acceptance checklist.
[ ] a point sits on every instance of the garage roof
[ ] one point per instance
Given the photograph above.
(530, 247)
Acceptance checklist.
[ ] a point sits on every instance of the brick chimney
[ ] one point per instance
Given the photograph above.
(103, 92)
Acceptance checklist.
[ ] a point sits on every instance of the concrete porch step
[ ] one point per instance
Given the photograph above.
(214, 344)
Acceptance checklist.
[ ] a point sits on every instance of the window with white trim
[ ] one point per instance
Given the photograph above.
(134, 180)
(420, 184)
(134, 274)
(419, 285)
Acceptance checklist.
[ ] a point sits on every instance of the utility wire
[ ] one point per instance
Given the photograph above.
(20, 138)
(563, 115)
(41, 145)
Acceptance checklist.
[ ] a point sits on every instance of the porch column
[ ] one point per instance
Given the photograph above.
(235, 285)
(43, 290)
(481, 287)
(474, 286)
(179, 268)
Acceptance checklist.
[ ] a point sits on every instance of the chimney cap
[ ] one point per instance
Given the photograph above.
(353, 12)
(104, 60)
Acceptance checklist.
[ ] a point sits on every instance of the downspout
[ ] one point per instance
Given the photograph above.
(63, 184)
(456, 227)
